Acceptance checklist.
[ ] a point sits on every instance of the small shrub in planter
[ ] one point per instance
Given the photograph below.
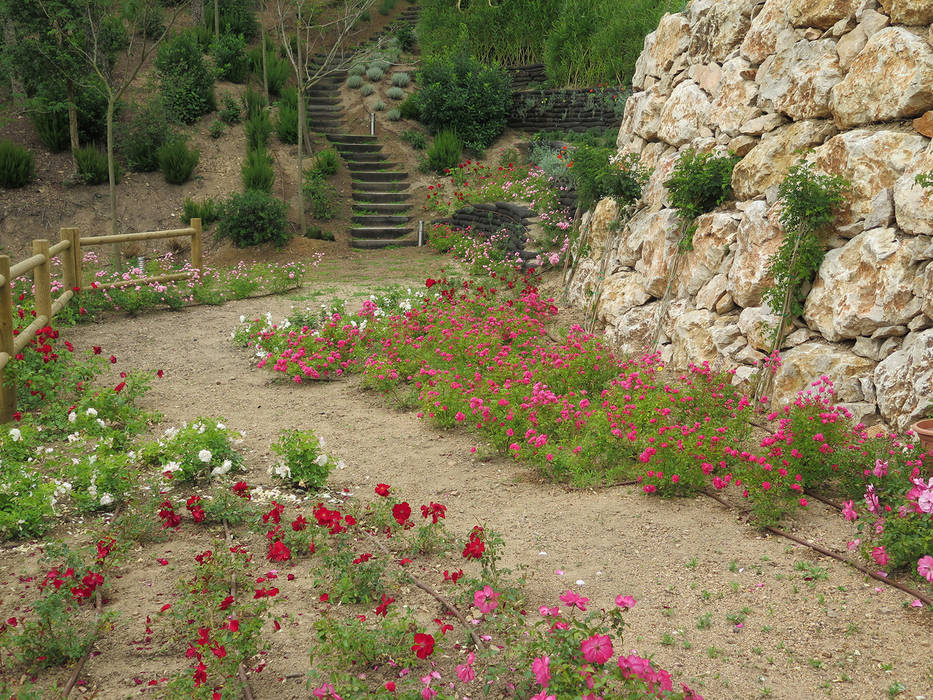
(229, 54)
(374, 73)
(367, 90)
(395, 93)
(253, 217)
(216, 129)
(143, 136)
(17, 165)
(401, 80)
(355, 81)
(445, 151)
(177, 161)
(393, 115)
(257, 170)
(230, 112)
(92, 166)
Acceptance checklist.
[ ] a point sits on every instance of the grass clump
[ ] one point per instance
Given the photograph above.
(253, 217)
(17, 165)
(92, 166)
(177, 161)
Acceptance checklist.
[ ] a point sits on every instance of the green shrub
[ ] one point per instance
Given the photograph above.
(415, 138)
(177, 161)
(374, 73)
(216, 129)
(358, 69)
(326, 162)
(236, 17)
(367, 90)
(303, 461)
(354, 82)
(257, 128)
(186, 83)
(230, 112)
(320, 195)
(92, 166)
(90, 105)
(51, 123)
(386, 6)
(143, 136)
(458, 92)
(378, 106)
(405, 34)
(318, 234)
(411, 107)
(445, 151)
(229, 54)
(257, 171)
(148, 18)
(393, 115)
(699, 183)
(401, 80)
(286, 122)
(597, 176)
(253, 217)
(254, 102)
(17, 165)
(207, 211)
(277, 72)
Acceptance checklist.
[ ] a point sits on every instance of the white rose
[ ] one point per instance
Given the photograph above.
(221, 426)
(15, 434)
(106, 499)
(91, 411)
(72, 417)
(205, 456)
(171, 467)
(321, 460)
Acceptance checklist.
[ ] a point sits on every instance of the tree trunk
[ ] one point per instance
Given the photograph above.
(217, 19)
(265, 71)
(72, 121)
(9, 38)
(197, 11)
(115, 254)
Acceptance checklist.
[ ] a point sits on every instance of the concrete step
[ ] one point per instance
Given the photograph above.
(379, 231)
(365, 198)
(380, 220)
(357, 166)
(379, 175)
(381, 207)
(380, 186)
(344, 137)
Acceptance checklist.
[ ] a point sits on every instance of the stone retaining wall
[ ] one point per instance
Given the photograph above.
(565, 110)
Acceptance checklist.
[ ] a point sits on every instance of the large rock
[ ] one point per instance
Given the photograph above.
(662, 46)
(758, 237)
(684, 114)
(621, 292)
(737, 99)
(658, 252)
(913, 203)
(645, 225)
(852, 42)
(797, 81)
(691, 341)
(663, 162)
(865, 285)
(758, 324)
(714, 237)
(643, 113)
(806, 363)
(601, 220)
(871, 161)
(904, 381)
(719, 31)
(770, 32)
(890, 78)
(633, 331)
(820, 13)
(909, 11)
(768, 162)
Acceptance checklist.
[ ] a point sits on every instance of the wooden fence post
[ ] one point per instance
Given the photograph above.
(196, 244)
(42, 278)
(7, 393)
(78, 258)
(69, 275)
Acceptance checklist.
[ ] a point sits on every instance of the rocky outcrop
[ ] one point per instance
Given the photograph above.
(845, 84)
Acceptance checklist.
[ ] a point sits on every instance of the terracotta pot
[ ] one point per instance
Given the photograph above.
(924, 430)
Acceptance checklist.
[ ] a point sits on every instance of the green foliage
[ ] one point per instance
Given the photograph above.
(415, 139)
(236, 17)
(50, 120)
(925, 179)
(444, 151)
(254, 102)
(216, 129)
(146, 132)
(597, 176)
(809, 202)
(395, 93)
(286, 122)
(195, 452)
(354, 82)
(177, 161)
(148, 18)
(393, 115)
(320, 195)
(208, 211)
(326, 162)
(378, 106)
(699, 183)
(367, 89)
(405, 34)
(253, 217)
(186, 83)
(257, 171)
(401, 79)
(386, 6)
(411, 107)
(230, 112)
(17, 165)
(257, 128)
(374, 74)
(92, 166)
(229, 54)
(277, 73)
(303, 461)
(460, 93)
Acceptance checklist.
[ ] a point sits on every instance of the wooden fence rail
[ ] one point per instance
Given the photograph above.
(70, 248)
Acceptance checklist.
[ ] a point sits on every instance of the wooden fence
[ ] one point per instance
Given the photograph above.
(70, 249)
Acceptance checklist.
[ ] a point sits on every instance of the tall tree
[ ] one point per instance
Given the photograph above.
(317, 36)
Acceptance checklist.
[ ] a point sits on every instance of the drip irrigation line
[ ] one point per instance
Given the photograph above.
(98, 607)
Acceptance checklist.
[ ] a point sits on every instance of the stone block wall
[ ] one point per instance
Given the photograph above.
(847, 84)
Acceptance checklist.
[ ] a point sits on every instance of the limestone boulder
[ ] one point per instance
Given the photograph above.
(643, 114)
(691, 341)
(924, 290)
(737, 99)
(621, 292)
(712, 243)
(758, 237)
(684, 114)
(758, 325)
(763, 124)
(871, 161)
(890, 78)
(655, 193)
(712, 292)
(719, 30)
(852, 42)
(767, 163)
(913, 203)
(806, 363)
(820, 13)
(661, 48)
(657, 253)
(600, 222)
(770, 32)
(633, 331)
(904, 381)
(865, 285)
(912, 12)
(798, 80)
(924, 124)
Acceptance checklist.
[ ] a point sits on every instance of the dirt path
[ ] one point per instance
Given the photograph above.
(689, 563)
